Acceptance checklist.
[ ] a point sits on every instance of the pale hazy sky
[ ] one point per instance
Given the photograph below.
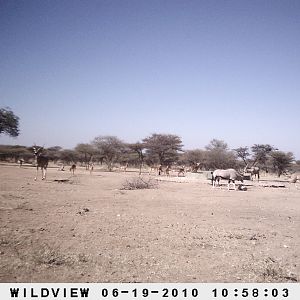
(73, 70)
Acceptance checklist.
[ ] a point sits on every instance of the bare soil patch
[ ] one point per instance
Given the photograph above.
(88, 228)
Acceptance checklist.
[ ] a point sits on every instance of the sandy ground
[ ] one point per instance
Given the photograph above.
(88, 229)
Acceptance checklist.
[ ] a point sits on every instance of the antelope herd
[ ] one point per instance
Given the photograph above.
(231, 175)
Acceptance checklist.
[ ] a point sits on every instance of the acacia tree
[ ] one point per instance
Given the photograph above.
(261, 153)
(195, 158)
(9, 122)
(281, 161)
(110, 148)
(216, 144)
(138, 148)
(243, 153)
(86, 152)
(68, 156)
(53, 153)
(219, 156)
(163, 147)
(15, 153)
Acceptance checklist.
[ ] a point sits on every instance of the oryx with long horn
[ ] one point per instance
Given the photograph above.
(230, 174)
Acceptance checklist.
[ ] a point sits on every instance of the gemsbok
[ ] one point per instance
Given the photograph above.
(41, 161)
(230, 174)
(294, 178)
(253, 171)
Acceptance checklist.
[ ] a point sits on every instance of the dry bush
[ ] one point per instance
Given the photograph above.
(31, 251)
(274, 272)
(139, 183)
(271, 270)
(47, 255)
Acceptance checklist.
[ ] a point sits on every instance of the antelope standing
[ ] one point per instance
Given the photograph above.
(167, 171)
(73, 168)
(153, 168)
(123, 167)
(41, 161)
(229, 174)
(181, 170)
(164, 169)
(160, 170)
(294, 178)
(21, 160)
(91, 166)
(253, 171)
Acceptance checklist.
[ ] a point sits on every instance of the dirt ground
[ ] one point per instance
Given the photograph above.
(89, 229)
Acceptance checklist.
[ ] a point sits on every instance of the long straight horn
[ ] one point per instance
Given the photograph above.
(34, 148)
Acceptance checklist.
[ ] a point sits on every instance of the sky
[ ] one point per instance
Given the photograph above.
(75, 70)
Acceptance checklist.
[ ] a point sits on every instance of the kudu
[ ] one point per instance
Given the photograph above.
(41, 161)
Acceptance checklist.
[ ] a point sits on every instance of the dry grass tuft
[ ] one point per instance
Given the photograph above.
(46, 255)
(275, 272)
(271, 270)
(139, 183)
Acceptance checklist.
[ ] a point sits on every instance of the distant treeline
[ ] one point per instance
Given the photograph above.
(160, 149)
